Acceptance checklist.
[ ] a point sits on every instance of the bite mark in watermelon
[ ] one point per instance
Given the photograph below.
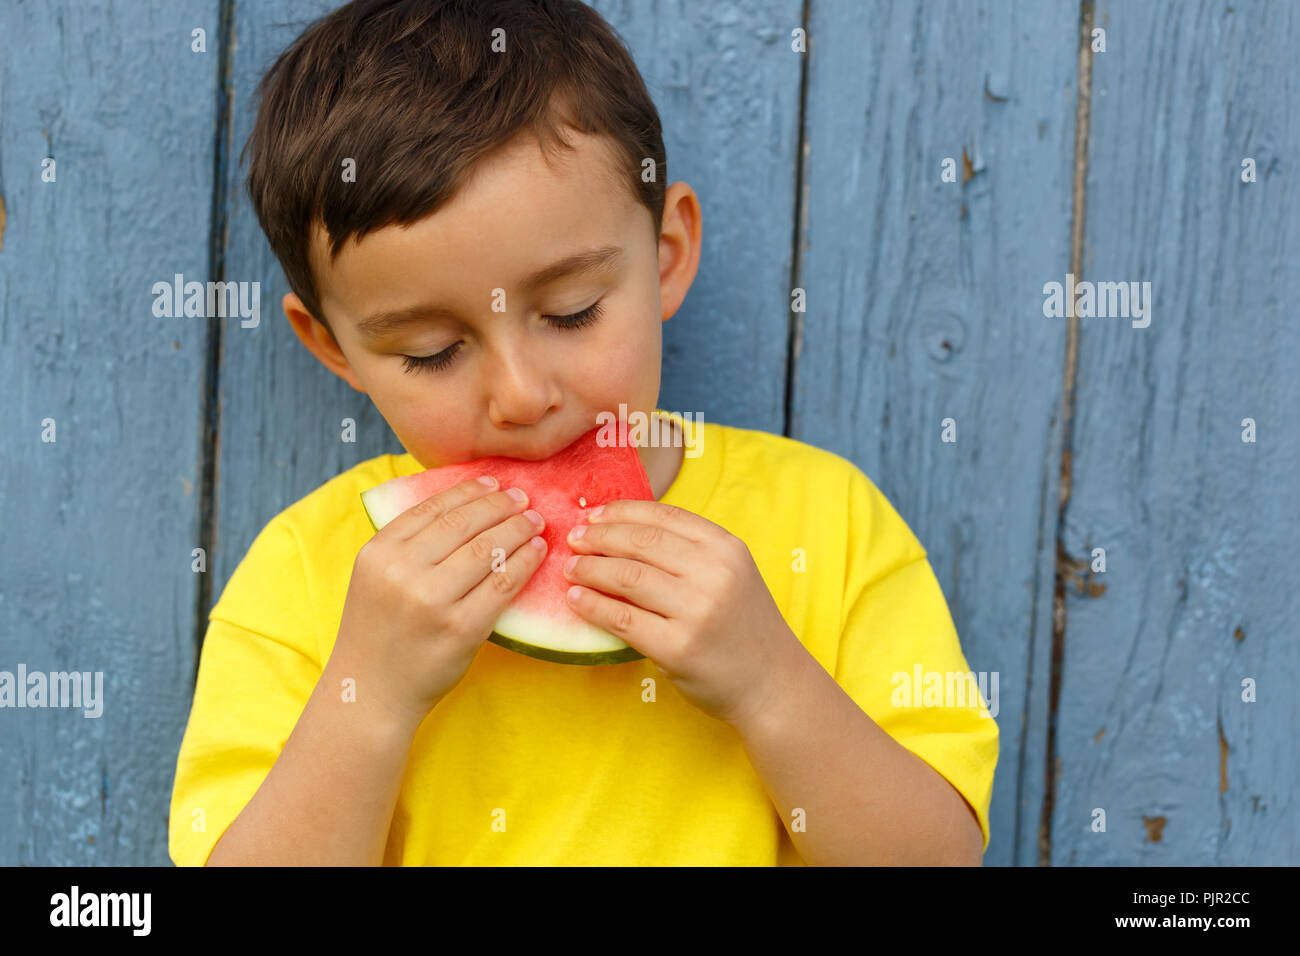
(539, 621)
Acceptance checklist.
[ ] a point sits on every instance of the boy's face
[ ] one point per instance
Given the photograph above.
(514, 383)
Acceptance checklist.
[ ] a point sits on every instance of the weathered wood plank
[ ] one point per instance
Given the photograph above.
(727, 87)
(281, 411)
(924, 304)
(95, 575)
(1196, 525)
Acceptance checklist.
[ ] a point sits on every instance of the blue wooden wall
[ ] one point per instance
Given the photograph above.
(1120, 690)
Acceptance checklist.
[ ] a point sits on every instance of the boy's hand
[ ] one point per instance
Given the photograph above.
(687, 594)
(425, 593)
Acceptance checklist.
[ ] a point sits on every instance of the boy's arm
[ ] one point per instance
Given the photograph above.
(329, 798)
(866, 799)
(880, 781)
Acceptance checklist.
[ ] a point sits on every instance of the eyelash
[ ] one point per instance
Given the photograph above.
(444, 358)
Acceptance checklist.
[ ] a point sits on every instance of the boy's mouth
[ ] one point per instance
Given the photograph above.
(541, 455)
(553, 450)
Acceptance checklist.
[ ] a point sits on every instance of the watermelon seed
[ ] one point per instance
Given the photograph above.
(582, 502)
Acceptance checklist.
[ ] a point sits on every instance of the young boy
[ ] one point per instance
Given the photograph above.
(467, 200)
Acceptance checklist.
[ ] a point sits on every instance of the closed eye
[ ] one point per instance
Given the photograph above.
(444, 358)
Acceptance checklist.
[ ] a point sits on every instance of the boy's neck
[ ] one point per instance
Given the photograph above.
(664, 462)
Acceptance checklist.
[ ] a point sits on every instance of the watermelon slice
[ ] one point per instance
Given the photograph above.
(562, 488)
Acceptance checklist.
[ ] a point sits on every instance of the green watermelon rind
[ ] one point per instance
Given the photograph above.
(566, 657)
(581, 658)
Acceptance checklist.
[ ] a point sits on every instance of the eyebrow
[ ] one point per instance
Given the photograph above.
(580, 263)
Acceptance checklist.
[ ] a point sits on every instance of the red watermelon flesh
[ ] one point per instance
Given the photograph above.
(539, 621)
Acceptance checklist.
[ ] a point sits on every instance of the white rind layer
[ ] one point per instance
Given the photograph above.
(381, 505)
(575, 637)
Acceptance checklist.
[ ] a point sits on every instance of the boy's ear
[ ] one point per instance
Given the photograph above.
(318, 340)
(679, 246)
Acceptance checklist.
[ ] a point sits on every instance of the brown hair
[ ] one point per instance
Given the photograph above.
(414, 92)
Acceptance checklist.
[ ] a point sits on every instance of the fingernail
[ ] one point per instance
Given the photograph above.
(488, 480)
(574, 593)
(518, 495)
(577, 532)
(595, 511)
(568, 565)
(534, 517)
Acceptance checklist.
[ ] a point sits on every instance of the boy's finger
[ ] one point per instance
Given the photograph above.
(423, 513)
(485, 602)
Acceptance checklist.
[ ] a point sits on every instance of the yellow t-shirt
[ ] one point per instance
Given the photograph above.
(582, 769)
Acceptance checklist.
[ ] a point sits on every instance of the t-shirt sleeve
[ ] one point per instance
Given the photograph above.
(896, 627)
(257, 669)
